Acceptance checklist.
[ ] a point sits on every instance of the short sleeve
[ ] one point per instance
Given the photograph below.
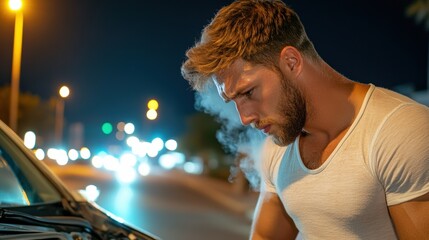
(271, 158)
(401, 153)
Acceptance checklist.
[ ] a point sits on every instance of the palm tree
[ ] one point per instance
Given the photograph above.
(419, 9)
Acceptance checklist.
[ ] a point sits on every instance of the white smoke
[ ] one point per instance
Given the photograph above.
(245, 142)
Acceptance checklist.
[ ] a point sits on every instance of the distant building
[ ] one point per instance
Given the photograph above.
(76, 135)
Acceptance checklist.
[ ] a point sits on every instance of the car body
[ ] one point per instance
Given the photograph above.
(36, 204)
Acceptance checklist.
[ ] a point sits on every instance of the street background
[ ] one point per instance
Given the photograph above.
(170, 204)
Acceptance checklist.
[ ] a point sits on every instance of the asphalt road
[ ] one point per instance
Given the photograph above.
(162, 205)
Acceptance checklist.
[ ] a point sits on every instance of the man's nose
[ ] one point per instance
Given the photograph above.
(247, 114)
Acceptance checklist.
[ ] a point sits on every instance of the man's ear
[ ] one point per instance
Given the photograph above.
(290, 59)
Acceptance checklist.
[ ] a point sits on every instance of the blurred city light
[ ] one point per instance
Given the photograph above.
(132, 141)
(144, 169)
(171, 144)
(30, 139)
(73, 154)
(97, 161)
(16, 63)
(128, 160)
(85, 153)
(129, 128)
(167, 161)
(120, 126)
(193, 167)
(40, 154)
(64, 91)
(59, 114)
(91, 193)
(120, 135)
(110, 162)
(180, 157)
(126, 174)
(61, 157)
(139, 149)
(15, 4)
(158, 143)
(171, 160)
(151, 114)
(107, 128)
(153, 104)
(52, 152)
(152, 151)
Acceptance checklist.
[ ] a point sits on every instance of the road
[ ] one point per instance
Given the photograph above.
(162, 204)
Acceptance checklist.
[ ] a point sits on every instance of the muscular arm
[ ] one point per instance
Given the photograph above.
(271, 220)
(411, 219)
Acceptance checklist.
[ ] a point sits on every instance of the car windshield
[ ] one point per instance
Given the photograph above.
(21, 182)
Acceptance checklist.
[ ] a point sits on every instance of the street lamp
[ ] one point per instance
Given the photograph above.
(152, 106)
(16, 6)
(59, 114)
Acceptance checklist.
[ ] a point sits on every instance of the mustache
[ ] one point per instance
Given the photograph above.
(262, 123)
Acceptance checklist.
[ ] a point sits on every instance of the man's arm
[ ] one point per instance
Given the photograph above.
(411, 219)
(271, 220)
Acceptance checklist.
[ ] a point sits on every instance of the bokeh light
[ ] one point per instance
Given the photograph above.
(151, 114)
(15, 4)
(73, 154)
(171, 144)
(128, 160)
(144, 169)
(129, 128)
(158, 144)
(120, 126)
(30, 139)
(97, 161)
(85, 153)
(61, 157)
(107, 128)
(153, 104)
(64, 91)
(132, 141)
(40, 154)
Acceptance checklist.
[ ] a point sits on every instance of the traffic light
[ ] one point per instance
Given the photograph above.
(107, 128)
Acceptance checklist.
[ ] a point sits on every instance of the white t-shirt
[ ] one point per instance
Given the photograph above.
(382, 160)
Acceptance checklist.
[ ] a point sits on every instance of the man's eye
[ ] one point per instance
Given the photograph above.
(249, 93)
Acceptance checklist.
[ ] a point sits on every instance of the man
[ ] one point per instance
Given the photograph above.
(348, 160)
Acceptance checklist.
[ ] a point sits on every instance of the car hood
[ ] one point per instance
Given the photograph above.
(66, 220)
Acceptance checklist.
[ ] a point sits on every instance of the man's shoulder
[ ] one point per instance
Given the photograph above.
(387, 95)
(382, 102)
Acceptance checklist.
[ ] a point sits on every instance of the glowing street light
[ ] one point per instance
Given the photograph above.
(153, 104)
(64, 91)
(16, 6)
(59, 114)
(151, 114)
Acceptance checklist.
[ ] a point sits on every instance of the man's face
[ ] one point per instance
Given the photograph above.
(265, 99)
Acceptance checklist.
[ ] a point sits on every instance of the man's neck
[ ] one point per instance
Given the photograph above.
(333, 101)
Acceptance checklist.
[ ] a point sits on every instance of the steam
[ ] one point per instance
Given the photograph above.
(244, 141)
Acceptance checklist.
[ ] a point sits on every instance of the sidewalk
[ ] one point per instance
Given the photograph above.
(223, 192)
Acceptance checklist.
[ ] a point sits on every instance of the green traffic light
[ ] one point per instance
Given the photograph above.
(107, 128)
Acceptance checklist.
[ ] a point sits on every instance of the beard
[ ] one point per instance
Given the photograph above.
(292, 108)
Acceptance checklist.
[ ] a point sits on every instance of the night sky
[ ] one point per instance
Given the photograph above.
(116, 55)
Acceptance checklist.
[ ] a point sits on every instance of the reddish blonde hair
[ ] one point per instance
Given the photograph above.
(254, 30)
